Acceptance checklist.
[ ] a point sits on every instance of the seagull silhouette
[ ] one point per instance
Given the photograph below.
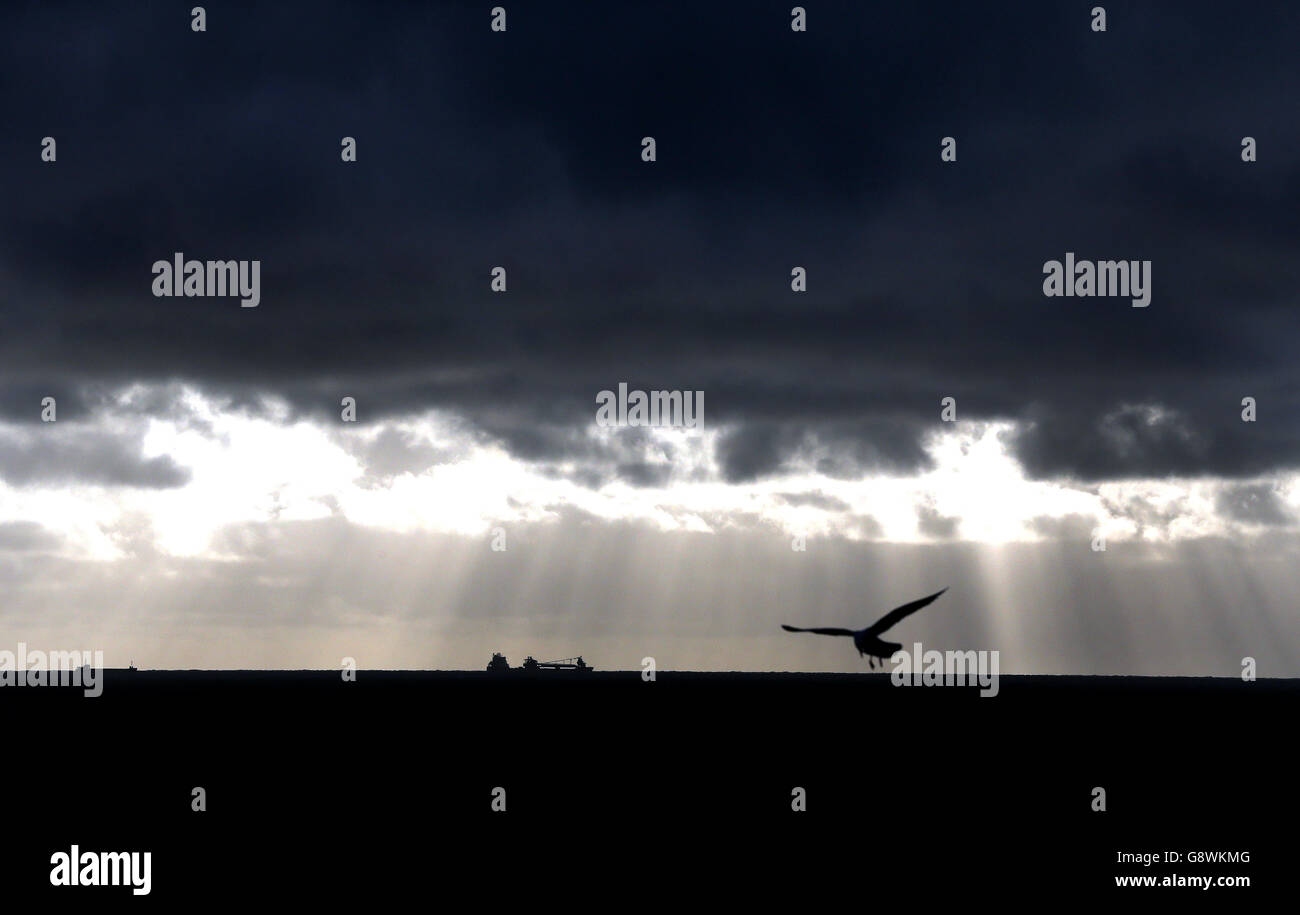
(867, 641)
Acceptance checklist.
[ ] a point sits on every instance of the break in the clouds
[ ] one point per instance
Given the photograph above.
(184, 419)
(291, 538)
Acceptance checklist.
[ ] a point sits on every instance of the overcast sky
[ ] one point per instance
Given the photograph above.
(200, 501)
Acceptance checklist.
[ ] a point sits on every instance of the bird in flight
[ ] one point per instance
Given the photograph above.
(867, 641)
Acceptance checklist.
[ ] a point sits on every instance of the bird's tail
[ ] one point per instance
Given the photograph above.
(820, 630)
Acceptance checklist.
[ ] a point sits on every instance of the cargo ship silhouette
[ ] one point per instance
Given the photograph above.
(499, 665)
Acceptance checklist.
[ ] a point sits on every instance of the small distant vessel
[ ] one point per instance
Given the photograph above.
(499, 664)
(132, 663)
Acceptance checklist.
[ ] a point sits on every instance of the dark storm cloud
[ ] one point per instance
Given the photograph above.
(640, 473)
(753, 451)
(775, 150)
(842, 450)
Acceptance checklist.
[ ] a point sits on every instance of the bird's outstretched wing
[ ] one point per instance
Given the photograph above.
(893, 616)
(828, 630)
